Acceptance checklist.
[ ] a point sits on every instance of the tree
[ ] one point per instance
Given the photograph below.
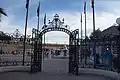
(87, 38)
(96, 34)
(2, 12)
(4, 37)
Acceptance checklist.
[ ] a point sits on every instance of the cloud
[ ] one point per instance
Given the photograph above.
(104, 19)
(56, 37)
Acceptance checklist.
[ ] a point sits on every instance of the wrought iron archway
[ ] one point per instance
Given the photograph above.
(56, 25)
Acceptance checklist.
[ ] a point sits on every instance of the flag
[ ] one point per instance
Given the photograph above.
(92, 3)
(38, 9)
(45, 19)
(85, 7)
(27, 4)
(63, 20)
(81, 17)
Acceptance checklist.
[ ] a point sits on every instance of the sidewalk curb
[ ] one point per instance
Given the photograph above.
(98, 72)
(15, 68)
(87, 71)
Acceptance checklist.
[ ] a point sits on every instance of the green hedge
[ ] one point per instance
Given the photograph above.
(5, 37)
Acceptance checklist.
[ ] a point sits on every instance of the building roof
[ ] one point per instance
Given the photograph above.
(111, 31)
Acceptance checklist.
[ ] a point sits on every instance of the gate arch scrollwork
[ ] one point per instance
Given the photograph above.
(55, 25)
(74, 52)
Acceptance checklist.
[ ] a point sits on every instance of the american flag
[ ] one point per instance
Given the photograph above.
(92, 3)
(45, 19)
(85, 7)
(38, 9)
(81, 17)
(27, 4)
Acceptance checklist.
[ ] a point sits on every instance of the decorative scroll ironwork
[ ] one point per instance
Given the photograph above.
(56, 25)
(11, 51)
(37, 56)
(74, 52)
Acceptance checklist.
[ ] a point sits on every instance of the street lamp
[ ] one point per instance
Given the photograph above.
(118, 45)
(118, 27)
(118, 22)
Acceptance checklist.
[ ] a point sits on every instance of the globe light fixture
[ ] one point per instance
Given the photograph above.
(118, 22)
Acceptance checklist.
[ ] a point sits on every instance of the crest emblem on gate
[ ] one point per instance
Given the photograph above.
(57, 23)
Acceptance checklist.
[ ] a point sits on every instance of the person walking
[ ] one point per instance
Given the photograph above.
(116, 64)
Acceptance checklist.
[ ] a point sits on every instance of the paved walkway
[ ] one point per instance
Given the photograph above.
(52, 70)
(47, 76)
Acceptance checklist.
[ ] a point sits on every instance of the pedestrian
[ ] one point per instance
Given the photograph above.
(97, 58)
(114, 60)
(116, 64)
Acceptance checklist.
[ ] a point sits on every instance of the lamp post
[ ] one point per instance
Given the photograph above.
(118, 22)
(118, 42)
(118, 47)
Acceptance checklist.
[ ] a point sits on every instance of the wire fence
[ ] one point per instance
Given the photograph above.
(14, 60)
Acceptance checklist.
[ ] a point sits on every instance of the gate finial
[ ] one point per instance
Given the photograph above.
(56, 16)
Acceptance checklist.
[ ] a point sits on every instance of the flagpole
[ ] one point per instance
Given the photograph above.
(44, 46)
(94, 46)
(44, 34)
(85, 19)
(81, 37)
(38, 15)
(37, 35)
(85, 30)
(38, 24)
(27, 6)
(37, 43)
(93, 17)
(85, 26)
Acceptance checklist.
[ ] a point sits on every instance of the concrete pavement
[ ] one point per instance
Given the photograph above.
(53, 70)
(47, 76)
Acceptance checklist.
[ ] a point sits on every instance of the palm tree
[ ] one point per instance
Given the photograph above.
(2, 13)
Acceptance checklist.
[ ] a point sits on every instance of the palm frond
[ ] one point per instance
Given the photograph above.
(2, 11)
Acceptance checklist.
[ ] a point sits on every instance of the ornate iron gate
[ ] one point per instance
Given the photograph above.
(36, 60)
(74, 52)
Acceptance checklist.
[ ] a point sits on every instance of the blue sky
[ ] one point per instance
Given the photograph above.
(106, 13)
